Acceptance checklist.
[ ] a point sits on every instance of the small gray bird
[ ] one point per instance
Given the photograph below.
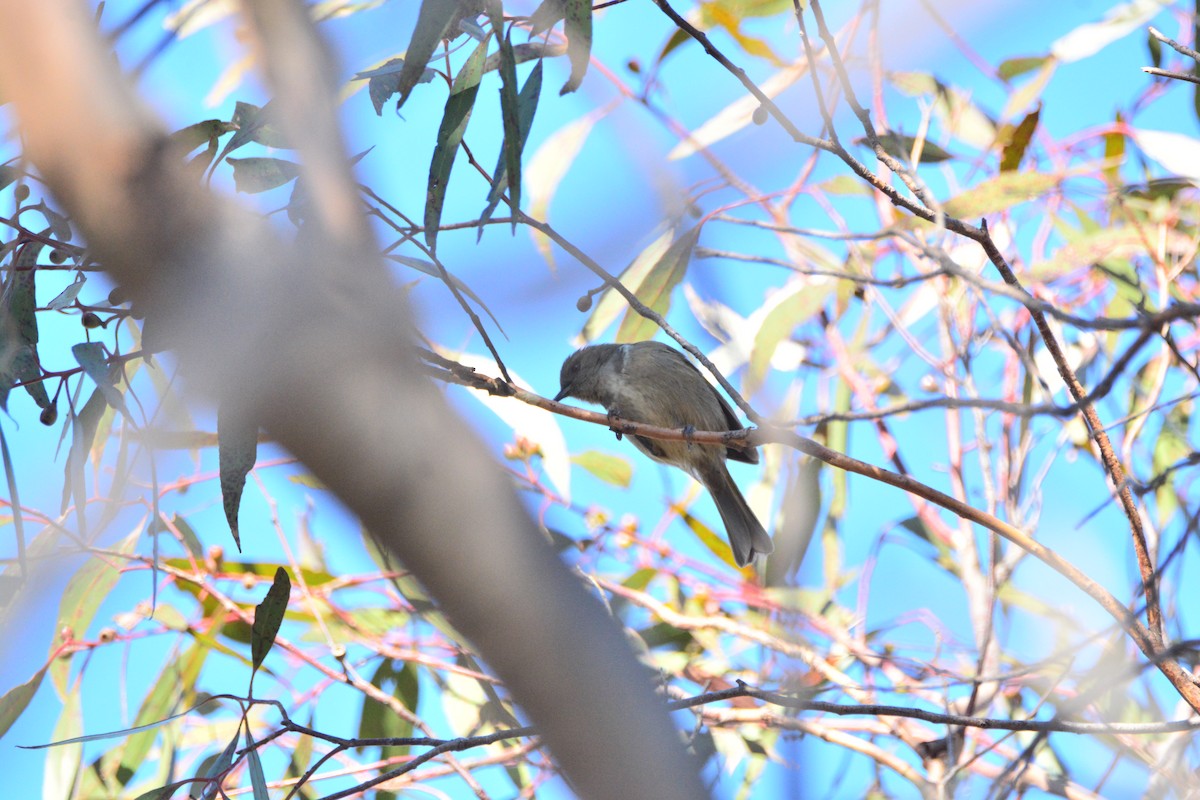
(654, 384)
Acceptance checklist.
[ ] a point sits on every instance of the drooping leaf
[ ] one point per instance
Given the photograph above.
(91, 357)
(14, 702)
(655, 290)
(258, 780)
(508, 169)
(578, 29)
(546, 16)
(384, 81)
(450, 134)
(433, 23)
(216, 768)
(789, 307)
(399, 680)
(268, 616)
(1018, 141)
(259, 174)
(611, 302)
(20, 292)
(237, 448)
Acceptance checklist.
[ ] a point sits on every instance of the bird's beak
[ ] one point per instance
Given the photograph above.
(563, 392)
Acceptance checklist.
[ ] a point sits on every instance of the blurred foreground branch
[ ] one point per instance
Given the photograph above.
(321, 357)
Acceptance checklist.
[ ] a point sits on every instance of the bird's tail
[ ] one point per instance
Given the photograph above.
(747, 537)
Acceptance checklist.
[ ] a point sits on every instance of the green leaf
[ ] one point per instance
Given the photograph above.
(20, 292)
(378, 721)
(433, 23)
(1013, 67)
(17, 699)
(655, 290)
(253, 175)
(430, 269)
(510, 153)
(578, 29)
(1018, 141)
(237, 448)
(258, 781)
(450, 134)
(268, 615)
(608, 468)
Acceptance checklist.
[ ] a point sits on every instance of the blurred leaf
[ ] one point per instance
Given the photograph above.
(200, 134)
(611, 302)
(83, 435)
(237, 447)
(1014, 67)
(608, 468)
(1177, 153)
(14, 702)
(547, 14)
(1099, 246)
(433, 23)
(901, 146)
(1018, 141)
(164, 792)
(578, 29)
(1154, 46)
(254, 124)
(82, 596)
(655, 289)
(378, 721)
(549, 165)
(665, 635)
(62, 764)
(1092, 37)
(798, 515)
(714, 542)
(268, 615)
(253, 175)
(793, 305)
(454, 124)
(737, 115)
(1114, 152)
(999, 194)
(1029, 92)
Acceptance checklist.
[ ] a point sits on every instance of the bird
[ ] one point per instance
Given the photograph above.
(655, 384)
